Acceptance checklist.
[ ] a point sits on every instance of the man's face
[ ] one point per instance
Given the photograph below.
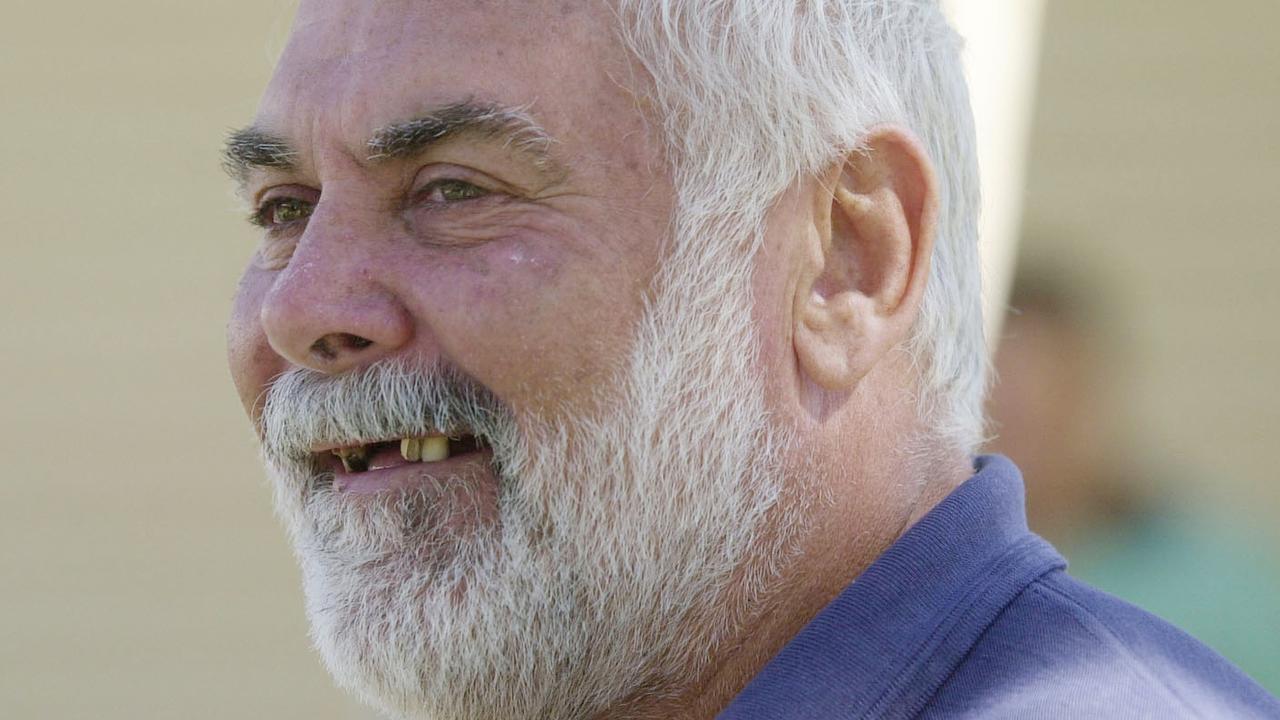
(525, 272)
(609, 475)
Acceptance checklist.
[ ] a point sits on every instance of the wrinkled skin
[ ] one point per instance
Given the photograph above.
(531, 290)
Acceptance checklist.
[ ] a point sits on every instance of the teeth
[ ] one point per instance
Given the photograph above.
(354, 459)
(411, 449)
(435, 448)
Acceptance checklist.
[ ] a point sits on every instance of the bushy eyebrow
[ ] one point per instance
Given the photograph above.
(257, 148)
(253, 147)
(512, 127)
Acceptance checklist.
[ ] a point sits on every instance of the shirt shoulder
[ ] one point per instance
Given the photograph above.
(1064, 649)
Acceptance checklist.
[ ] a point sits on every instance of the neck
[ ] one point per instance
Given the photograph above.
(820, 564)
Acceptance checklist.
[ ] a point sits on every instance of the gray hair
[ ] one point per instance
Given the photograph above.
(754, 94)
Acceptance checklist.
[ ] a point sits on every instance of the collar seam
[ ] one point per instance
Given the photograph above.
(1002, 569)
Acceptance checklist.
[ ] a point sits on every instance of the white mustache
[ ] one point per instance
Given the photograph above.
(306, 410)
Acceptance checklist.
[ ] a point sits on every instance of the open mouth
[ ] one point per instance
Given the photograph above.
(432, 448)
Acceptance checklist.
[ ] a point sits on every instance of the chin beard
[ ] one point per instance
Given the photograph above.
(626, 546)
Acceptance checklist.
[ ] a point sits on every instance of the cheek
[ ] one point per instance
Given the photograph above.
(252, 361)
(534, 322)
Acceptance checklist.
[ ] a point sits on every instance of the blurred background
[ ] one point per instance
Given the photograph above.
(142, 574)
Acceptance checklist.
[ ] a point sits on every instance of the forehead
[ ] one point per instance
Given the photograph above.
(354, 65)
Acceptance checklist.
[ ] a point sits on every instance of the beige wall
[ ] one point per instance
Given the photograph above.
(143, 576)
(1153, 162)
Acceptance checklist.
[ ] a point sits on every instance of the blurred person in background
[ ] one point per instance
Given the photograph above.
(1124, 522)
(633, 367)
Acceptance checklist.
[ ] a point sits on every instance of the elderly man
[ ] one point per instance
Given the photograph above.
(596, 349)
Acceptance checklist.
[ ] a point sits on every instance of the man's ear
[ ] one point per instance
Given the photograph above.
(875, 219)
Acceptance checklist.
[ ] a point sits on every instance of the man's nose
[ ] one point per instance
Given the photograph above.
(328, 311)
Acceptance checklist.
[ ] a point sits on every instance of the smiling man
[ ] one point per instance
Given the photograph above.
(596, 349)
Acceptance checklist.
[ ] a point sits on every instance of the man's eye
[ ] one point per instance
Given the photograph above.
(451, 191)
(281, 211)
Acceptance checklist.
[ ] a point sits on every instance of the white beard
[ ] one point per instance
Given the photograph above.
(627, 546)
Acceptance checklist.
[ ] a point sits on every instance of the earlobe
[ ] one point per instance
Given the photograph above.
(831, 337)
(875, 218)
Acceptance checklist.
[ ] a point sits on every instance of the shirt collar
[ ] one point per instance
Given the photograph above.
(886, 643)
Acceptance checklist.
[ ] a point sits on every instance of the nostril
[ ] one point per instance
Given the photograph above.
(331, 346)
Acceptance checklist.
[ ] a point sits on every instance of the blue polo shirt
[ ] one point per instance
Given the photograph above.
(971, 615)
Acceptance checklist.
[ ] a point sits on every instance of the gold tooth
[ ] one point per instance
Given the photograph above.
(411, 449)
(435, 448)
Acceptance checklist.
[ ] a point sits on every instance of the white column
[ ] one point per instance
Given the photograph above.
(1001, 56)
